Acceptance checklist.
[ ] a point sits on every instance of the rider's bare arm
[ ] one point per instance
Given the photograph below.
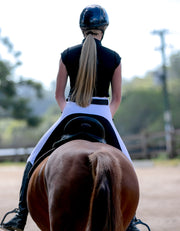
(61, 85)
(116, 90)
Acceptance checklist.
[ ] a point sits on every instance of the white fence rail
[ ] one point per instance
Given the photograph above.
(140, 146)
(15, 154)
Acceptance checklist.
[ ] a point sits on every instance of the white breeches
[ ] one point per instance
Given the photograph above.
(73, 108)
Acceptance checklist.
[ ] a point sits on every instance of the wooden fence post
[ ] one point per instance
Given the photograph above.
(144, 145)
(172, 153)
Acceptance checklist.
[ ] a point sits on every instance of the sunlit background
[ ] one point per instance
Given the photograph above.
(42, 29)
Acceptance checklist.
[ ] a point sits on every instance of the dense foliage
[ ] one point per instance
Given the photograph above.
(142, 105)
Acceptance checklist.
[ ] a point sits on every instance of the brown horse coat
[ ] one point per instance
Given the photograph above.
(83, 186)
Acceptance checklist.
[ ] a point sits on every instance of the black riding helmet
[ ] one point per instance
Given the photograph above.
(94, 17)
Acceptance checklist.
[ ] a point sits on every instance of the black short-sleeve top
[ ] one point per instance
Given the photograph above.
(107, 62)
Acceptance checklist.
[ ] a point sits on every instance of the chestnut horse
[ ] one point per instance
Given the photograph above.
(83, 186)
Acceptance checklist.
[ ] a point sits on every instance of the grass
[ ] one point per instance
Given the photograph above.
(171, 162)
(162, 160)
(7, 163)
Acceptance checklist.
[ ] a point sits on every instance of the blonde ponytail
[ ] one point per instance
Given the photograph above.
(86, 77)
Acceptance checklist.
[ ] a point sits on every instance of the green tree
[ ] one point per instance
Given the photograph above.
(139, 111)
(11, 103)
(142, 106)
(174, 66)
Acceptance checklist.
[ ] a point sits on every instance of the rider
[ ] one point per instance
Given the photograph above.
(92, 68)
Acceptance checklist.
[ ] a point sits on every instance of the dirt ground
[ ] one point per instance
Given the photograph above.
(159, 204)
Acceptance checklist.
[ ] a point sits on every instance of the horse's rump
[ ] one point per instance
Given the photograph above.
(87, 186)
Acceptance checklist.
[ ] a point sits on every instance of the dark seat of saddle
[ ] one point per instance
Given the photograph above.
(83, 127)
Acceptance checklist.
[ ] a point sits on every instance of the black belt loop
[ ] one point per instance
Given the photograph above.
(100, 101)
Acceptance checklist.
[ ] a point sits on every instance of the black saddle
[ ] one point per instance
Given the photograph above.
(80, 127)
(84, 128)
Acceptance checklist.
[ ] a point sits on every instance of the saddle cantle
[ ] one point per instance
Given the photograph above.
(84, 128)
